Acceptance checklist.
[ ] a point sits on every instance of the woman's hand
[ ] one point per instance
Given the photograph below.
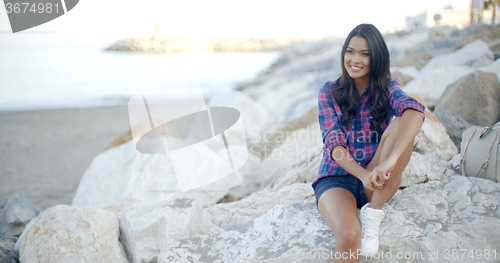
(382, 173)
(366, 180)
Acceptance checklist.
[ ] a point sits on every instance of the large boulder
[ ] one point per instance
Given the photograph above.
(401, 77)
(244, 211)
(425, 167)
(72, 234)
(122, 176)
(475, 97)
(487, 33)
(145, 228)
(433, 140)
(455, 213)
(454, 124)
(253, 115)
(445, 69)
(296, 159)
(18, 210)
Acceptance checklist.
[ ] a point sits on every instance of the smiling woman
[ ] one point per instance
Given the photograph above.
(357, 62)
(358, 171)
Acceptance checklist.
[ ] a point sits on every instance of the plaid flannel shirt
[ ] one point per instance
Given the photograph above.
(357, 138)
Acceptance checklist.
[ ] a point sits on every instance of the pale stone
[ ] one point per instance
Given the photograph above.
(16, 213)
(239, 213)
(71, 234)
(475, 97)
(425, 167)
(145, 227)
(401, 77)
(122, 176)
(455, 213)
(443, 70)
(253, 115)
(296, 159)
(432, 139)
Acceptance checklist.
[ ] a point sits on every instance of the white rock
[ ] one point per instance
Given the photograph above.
(122, 176)
(286, 226)
(228, 215)
(278, 100)
(432, 139)
(455, 213)
(252, 174)
(410, 71)
(473, 55)
(443, 70)
(493, 67)
(253, 115)
(145, 228)
(296, 159)
(71, 234)
(424, 167)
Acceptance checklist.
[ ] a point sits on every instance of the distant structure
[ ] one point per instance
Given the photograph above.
(448, 16)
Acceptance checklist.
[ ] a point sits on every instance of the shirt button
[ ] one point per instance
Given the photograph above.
(359, 140)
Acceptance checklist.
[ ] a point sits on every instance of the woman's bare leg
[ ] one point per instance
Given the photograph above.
(378, 198)
(338, 208)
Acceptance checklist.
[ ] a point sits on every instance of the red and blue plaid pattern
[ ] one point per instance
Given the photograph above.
(357, 138)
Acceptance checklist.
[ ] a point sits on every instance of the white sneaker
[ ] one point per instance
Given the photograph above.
(370, 220)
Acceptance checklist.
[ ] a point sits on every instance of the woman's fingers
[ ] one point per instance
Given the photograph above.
(376, 182)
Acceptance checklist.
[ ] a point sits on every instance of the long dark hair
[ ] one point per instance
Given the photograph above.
(346, 94)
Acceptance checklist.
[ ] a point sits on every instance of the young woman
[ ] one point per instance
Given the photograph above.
(369, 125)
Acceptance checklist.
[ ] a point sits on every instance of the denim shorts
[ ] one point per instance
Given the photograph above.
(348, 182)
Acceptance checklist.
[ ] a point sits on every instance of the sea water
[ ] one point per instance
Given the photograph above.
(42, 71)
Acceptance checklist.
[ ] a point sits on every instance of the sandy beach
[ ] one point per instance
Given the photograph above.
(44, 153)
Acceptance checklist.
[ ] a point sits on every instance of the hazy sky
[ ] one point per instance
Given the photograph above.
(279, 18)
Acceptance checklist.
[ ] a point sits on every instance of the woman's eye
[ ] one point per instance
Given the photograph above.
(350, 51)
(366, 54)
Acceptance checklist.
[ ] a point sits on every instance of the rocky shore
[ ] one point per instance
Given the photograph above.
(166, 44)
(128, 206)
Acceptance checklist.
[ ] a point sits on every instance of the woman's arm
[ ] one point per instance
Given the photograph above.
(410, 124)
(346, 161)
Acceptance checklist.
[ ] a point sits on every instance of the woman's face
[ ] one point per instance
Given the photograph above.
(357, 60)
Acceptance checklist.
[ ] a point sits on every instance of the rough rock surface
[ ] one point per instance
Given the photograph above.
(433, 140)
(71, 234)
(122, 176)
(18, 210)
(454, 124)
(446, 69)
(242, 212)
(296, 159)
(7, 252)
(253, 115)
(455, 213)
(145, 228)
(401, 77)
(479, 91)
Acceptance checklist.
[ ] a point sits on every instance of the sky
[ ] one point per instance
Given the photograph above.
(103, 20)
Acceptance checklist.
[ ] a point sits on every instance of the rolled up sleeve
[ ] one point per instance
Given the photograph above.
(329, 121)
(400, 101)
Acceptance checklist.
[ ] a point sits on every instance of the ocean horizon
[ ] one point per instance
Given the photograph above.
(44, 72)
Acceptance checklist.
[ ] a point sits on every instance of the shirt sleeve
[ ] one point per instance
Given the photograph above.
(400, 101)
(329, 122)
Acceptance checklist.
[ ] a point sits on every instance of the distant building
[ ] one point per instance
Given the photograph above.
(448, 16)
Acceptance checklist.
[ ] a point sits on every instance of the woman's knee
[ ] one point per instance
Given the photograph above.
(348, 236)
